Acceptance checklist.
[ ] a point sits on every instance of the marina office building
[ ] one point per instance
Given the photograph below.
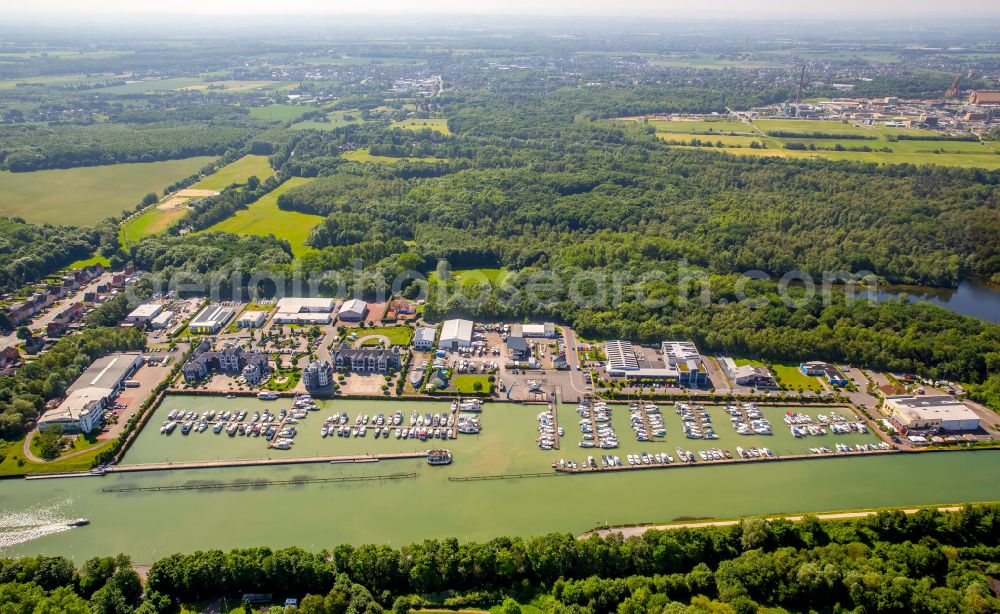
(87, 397)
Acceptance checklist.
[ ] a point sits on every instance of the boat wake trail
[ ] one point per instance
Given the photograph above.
(20, 526)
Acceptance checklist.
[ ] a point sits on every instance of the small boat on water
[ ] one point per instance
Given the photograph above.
(267, 395)
(79, 522)
(439, 457)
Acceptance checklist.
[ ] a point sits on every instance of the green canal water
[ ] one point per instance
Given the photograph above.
(150, 525)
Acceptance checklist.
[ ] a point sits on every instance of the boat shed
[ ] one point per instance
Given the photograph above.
(456, 334)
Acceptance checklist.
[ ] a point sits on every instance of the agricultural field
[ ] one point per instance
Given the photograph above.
(151, 221)
(439, 124)
(362, 155)
(87, 195)
(694, 126)
(989, 161)
(6, 84)
(727, 140)
(236, 172)
(969, 154)
(234, 86)
(279, 112)
(264, 218)
(802, 126)
(141, 87)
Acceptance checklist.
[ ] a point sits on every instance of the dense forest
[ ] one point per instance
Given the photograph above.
(28, 253)
(926, 562)
(26, 148)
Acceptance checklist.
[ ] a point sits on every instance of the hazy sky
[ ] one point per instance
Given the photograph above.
(715, 9)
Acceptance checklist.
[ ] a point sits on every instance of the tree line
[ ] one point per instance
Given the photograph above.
(928, 561)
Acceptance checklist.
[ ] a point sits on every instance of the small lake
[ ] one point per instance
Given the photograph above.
(972, 298)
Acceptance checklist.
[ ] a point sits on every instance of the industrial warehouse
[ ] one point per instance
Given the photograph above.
(82, 409)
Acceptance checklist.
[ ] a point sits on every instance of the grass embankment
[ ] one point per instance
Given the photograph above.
(14, 462)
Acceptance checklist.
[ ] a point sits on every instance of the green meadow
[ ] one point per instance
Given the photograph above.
(335, 119)
(236, 172)
(264, 218)
(723, 126)
(279, 112)
(362, 155)
(439, 124)
(151, 221)
(86, 195)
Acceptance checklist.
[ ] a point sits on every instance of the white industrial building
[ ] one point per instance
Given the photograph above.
(87, 397)
(931, 413)
(211, 319)
(456, 334)
(304, 311)
(144, 313)
(547, 330)
(251, 319)
(162, 320)
(354, 310)
(79, 412)
(424, 337)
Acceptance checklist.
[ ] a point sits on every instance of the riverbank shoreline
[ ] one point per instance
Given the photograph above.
(633, 530)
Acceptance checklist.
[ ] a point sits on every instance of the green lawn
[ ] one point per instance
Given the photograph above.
(466, 384)
(362, 155)
(280, 112)
(438, 124)
(102, 260)
(264, 218)
(86, 195)
(463, 276)
(788, 374)
(397, 335)
(236, 172)
(14, 462)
